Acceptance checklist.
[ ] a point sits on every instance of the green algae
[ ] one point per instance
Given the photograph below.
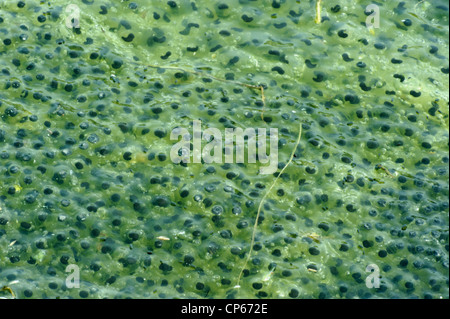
(368, 183)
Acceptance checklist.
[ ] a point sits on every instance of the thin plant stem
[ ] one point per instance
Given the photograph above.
(318, 18)
(255, 226)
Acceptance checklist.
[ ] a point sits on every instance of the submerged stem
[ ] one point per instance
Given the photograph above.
(263, 98)
(255, 226)
(6, 288)
(250, 86)
(318, 18)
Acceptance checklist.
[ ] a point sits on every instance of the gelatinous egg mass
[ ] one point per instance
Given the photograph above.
(93, 206)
